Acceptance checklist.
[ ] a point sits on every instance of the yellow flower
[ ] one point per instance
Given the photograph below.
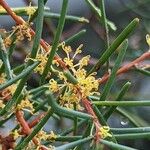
(68, 61)
(52, 136)
(12, 88)
(78, 50)
(21, 31)
(69, 99)
(2, 105)
(25, 105)
(9, 91)
(30, 10)
(66, 49)
(61, 76)
(53, 85)
(104, 132)
(15, 134)
(84, 61)
(42, 135)
(148, 39)
(43, 60)
(80, 74)
(88, 85)
(7, 42)
(2, 78)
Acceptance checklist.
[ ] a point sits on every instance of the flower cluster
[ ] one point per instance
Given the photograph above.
(30, 11)
(42, 57)
(22, 31)
(2, 105)
(70, 99)
(42, 135)
(88, 85)
(5, 94)
(25, 105)
(2, 78)
(104, 132)
(7, 41)
(54, 87)
(15, 134)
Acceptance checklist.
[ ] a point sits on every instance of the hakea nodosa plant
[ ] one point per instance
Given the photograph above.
(70, 81)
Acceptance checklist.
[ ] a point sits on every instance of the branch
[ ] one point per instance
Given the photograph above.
(26, 128)
(126, 67)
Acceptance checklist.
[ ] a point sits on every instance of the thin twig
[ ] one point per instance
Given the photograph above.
(26, 128)
(126, 67)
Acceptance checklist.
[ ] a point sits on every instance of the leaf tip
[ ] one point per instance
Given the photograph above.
(137, 20)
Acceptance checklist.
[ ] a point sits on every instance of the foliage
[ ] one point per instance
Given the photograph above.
(66, 88)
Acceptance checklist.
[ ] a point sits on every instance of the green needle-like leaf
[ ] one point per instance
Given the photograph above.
(110, 110)
(68, 17)
(73, 144)
(67, 131)
(75, 36)
(104, 19)
(22, 11)
(114, 71)
(133, 136)
(122, 103)
(116, 146)
(143, 71)
(134, 119)
(64, 111)
(5, 59)
(18, 77)
(122, 36)
(70, 77)
(130, 130)
(56, 40)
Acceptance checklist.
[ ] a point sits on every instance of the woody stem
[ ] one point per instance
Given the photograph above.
(127, 67)
(25, 126)
(87, 104)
